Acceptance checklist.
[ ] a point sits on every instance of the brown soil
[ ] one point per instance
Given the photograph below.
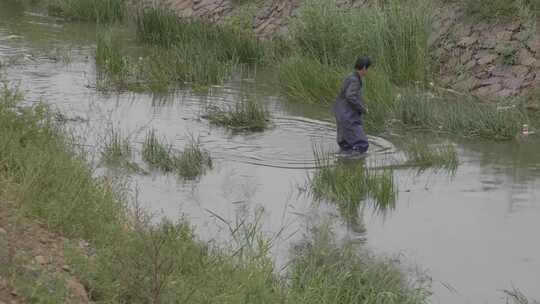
(28, 248)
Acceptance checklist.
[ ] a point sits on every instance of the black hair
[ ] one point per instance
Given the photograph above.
(363, 62)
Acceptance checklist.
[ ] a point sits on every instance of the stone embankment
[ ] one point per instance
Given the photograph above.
(489, 60)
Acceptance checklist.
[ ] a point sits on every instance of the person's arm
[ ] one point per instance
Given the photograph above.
(353, 95)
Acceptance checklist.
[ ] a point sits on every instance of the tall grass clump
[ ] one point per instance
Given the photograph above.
(117, 149)
(306, 80)
(464, 116)
(323, 272)
(160, 26)
(349, 183)
(104, 11)
(440, 157)
(394, 35)
(193, 161)
(247, 114)
(156, 153)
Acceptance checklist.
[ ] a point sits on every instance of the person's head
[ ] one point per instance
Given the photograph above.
(362, 65)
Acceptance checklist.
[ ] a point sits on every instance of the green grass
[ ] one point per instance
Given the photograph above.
(158, 26)
(101, 11)
(190, 163)
(349, 183)
(324, 272)
(193, 161)
(247, 114)
(159, 70)
(116, 150)
(458, 115)
(438, 157)
(394, 35)
(157, 154)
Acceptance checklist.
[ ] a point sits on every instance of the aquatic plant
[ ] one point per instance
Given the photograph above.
(247, 114)
(116, 150)
(349, 183)
(193, 161)
(438, 157)
(157, 154)
(460, 115)
(323, 272)
(88, 10)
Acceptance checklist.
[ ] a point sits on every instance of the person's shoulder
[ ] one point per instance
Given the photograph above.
(353, 77)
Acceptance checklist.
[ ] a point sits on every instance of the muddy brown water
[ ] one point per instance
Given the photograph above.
(475, 234)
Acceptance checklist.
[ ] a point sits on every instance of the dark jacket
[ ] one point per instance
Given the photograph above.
(350, 95)
(349, 107)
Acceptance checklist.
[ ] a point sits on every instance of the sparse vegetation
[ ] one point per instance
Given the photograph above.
(247, 115)
(156, 153)
(193, 161)
(437, 157)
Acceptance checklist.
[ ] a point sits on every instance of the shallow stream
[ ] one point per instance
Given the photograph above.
(474, 233)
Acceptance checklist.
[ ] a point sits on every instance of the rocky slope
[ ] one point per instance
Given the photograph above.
(487, 60)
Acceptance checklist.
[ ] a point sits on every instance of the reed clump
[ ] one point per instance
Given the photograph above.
(157, 154)
(349, 183)
(192, 162)
(395, 35)
(427, 111)
(247, 114)
(101, 11)
(159, 26)
(117, 149)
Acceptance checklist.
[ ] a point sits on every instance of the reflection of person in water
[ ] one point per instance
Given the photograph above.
(349, 108)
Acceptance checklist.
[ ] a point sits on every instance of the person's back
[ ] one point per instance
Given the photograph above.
(349, 108)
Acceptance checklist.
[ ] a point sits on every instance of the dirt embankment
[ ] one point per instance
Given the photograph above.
(32, 262)
(489, 60)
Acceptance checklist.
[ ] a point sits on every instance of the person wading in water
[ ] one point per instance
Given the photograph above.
(349, 109)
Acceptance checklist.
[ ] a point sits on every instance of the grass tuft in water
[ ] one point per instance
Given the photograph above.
(157, 154)
(324, 272)
(436, 157)
(348, 183)
(102, 11)
(246, 115)
(193, 161)
(116, 150)
(190, 163)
